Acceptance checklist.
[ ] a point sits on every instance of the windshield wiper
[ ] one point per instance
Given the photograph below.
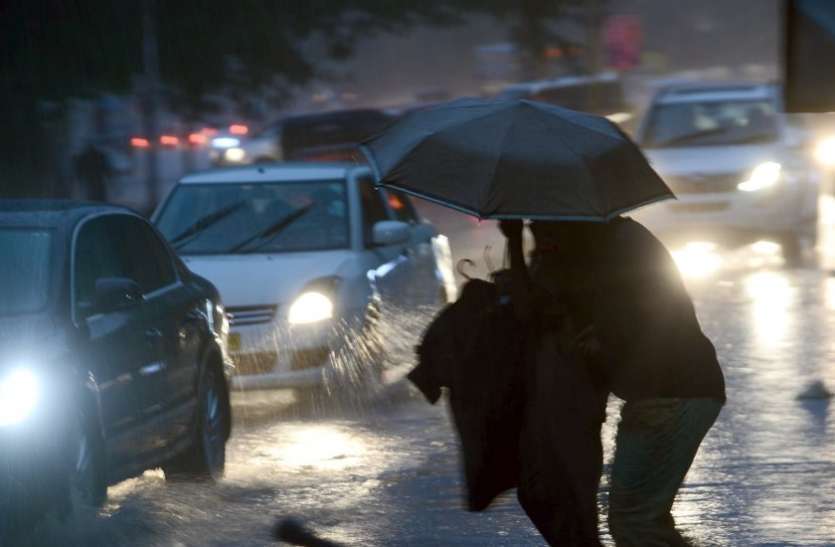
(204, 222)
(691, 136)
(270, 231)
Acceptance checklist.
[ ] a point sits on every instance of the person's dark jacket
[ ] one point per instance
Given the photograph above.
(524, 407)
(624, 282)
(486, 400)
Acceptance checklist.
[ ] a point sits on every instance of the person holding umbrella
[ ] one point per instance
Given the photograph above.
(574, 175)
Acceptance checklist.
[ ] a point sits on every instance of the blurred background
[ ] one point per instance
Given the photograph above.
(162, 88)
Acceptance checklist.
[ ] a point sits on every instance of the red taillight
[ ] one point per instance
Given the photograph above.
(238, 129)
(140, 142)
(197, 139)
(209, 131)
(169, 140)
(395, 202)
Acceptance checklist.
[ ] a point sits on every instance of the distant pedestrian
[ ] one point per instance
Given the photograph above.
(644, 344)
(93, 168)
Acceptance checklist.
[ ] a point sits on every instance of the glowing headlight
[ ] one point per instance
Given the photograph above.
(765, 175)
(234, 154)
(225, 142)
(310, 307)
(19, 394)
(825, 152)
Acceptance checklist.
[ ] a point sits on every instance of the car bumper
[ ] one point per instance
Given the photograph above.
(276, 356)
(756, 213)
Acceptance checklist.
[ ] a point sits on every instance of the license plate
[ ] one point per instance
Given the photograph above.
(234, 341)
(710, 207)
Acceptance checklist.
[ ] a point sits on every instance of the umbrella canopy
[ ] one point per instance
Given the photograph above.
(515, 159)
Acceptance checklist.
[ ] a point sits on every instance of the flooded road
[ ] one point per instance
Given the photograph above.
(385, 471)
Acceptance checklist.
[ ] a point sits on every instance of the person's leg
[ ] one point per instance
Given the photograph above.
(656, 443)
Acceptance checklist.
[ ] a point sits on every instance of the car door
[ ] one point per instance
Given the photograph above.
(174, 320)
(116, 349)
(425, 286)
(390, 267)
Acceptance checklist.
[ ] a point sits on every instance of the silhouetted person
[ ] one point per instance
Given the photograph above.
(643, 343)
(93, 168)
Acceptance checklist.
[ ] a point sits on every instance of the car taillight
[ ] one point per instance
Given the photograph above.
(140, 142)
(169, 140)
(238, 129)
(197, 139)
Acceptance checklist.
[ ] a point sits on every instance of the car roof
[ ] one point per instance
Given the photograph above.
(51, 213)
(715, 91)
(336, 116)
(277, 172)
(565, 81)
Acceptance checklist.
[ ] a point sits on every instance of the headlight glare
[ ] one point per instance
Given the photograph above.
(234, 154)
(225, 142)
(19, 394)
(825, 152)
(310, 307)
(765, 175)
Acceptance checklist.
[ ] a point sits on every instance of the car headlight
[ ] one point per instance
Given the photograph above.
(765, 175)
(825, 152)
(234, 154)
(310, 307)
(19, 394)
(225, 142)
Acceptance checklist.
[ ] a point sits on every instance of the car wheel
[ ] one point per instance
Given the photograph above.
(87, 480)
(205, 459)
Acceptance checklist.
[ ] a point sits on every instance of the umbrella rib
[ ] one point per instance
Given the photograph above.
(421, 140)
(570, 121)
(489, 187)
(583, 160)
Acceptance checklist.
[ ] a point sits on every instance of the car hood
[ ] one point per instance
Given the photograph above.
(711, 159)
(254, 280)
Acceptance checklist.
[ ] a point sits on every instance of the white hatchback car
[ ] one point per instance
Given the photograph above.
(305, 256)
(733, 161)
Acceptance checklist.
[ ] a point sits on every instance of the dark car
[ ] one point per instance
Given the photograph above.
(112, 358)
(324, 137)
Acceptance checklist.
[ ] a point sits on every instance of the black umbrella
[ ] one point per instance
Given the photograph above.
(515, 159)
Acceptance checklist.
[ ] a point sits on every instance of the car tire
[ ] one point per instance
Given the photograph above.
(87, 481)
(205, 458)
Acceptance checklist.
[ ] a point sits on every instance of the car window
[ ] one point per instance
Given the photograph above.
(150, 264)
(373, 208)
(100, 251)
(281, 217)
(402, 206)
(713, 123)
(24, 270)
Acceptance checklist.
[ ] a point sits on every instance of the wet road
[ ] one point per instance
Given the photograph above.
(384, 472)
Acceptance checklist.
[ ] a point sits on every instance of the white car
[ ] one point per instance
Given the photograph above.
(305, 256)
(736, 166)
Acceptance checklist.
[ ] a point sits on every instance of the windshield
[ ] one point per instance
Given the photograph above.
(24, 270)
(711, 124)
(262, 218)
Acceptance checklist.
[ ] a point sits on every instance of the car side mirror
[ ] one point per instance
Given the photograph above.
(390, 232)
(116, 294)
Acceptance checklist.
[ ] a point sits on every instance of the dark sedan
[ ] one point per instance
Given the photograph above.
(112, 358)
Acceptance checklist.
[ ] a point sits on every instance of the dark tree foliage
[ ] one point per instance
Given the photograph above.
(53, 50)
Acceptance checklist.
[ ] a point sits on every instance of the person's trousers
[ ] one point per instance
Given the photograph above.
(656, 443)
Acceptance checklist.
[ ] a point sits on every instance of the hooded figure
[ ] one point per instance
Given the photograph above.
(526, 411)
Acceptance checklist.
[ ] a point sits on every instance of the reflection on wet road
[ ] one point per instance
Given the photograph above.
(386, 472)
